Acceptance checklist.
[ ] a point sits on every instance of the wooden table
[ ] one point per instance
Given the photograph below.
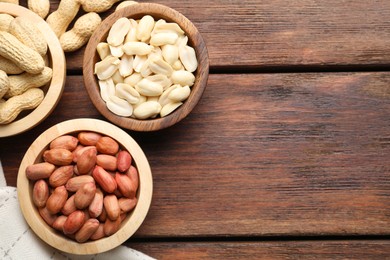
(287, 156)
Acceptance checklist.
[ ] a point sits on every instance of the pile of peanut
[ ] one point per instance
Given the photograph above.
(146, 68)
(85, 186)
(23, 69)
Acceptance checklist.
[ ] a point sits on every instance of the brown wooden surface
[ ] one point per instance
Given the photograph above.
(332, 250)
(280, 156)
(279, 33)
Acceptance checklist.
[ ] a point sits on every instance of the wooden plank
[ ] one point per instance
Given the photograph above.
(261, 155)
(280, 34)
(340, 249)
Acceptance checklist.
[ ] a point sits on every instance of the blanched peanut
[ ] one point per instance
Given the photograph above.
(145, 28)
(118, 31)
(147, 109)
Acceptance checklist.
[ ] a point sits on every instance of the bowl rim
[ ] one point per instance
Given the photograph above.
(56, 87)
(201, 75)
(129, 226)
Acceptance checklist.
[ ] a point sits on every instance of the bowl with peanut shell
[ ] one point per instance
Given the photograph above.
(84, 186)
(32, 69)
(145, 67)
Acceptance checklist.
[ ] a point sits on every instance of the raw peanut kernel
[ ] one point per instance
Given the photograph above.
(111, 206)
(86, 161)
(96, 206)
(57, 200)
(77, 182)
(61, 176)
(108, 162)
(67, 142)
(87, 230)
(74, 222)
(88, 138)
(78, 151)
(127, 204)
(104, 179)
(47, 216)
(107, 145)
(58, 156)
(123, 161)
(125, 186)
(58, 224)
(84, 196)
(40, 193)
(133, 175)
(99, 233)
(111, 226)
(39, 171)
(69, 206)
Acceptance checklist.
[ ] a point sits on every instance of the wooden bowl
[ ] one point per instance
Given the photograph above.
(195, 40)
(132, 221)
(53, 91)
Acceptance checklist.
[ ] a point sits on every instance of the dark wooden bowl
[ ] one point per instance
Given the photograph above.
(195, 40)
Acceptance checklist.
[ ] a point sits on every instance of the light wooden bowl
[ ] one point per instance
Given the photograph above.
(132, 221)
(195, 40)
(53, 91)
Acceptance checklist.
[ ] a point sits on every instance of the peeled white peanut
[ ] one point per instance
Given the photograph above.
(180, 94)
(106, 68)
(161, 79)
(116, 51)
(147, 109)
(163, 99)
(118, 31)
(117, 78)
(107, 89)
(160, 39)
(137, 48)
(132, 34)
(119, 106)
(103, 50)
(170, 53)
(133, 79)
(182, 41)
(141, 100)
(126, 65)
(188, 58)
(149, 88)
(169, 108)
(145, 27)
(127, 92)
(138, 62)
(163, 27)
(145, 69)
(183, 77)
(159, 66)
(177, 65)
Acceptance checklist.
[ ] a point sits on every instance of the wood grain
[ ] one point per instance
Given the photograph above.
(262, 155)
(364, 249)
(275, 34)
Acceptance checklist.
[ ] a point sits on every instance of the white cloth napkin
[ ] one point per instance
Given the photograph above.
(18, 241)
